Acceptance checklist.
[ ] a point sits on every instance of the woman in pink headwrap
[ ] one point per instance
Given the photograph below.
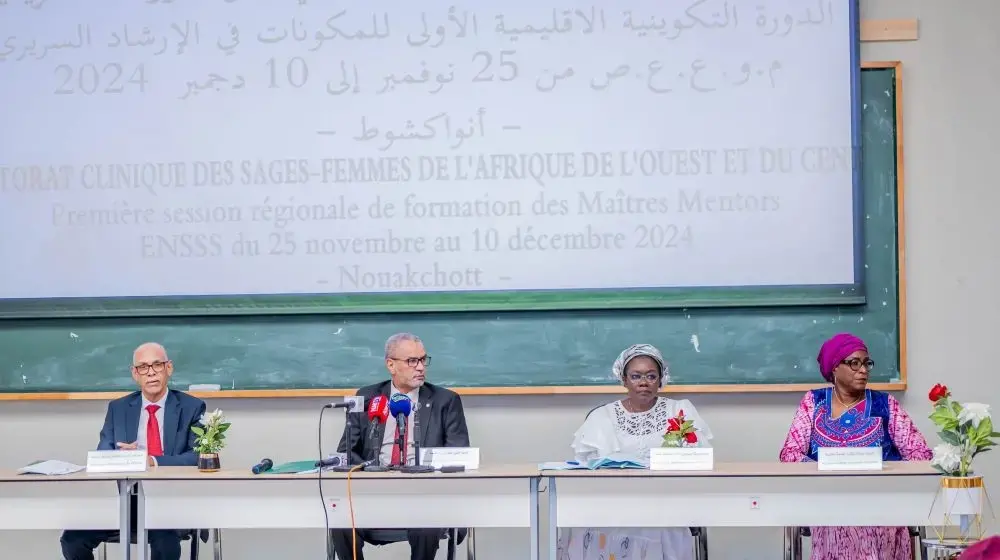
(848, 414)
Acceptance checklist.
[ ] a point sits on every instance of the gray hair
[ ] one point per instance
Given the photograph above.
(634, 351)
(150, 346)
(395, 340)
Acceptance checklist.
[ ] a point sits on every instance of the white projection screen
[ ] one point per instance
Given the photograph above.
(198, 150)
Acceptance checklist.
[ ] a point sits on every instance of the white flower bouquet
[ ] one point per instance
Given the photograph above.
(211, 434)
(966, 430)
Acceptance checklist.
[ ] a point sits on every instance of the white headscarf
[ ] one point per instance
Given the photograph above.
(634, 351)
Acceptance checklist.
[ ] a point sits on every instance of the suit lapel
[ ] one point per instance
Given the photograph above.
(425, 404)
(132, 412)
(171, 419)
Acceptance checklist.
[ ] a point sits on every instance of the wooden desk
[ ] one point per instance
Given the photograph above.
(741, 495)
(74, 501)
(182, 497)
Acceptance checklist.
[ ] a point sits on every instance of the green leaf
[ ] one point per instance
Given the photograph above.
(940, 470)
(198, 430)
(956, 408)
(981, 434)
(944, 420)
(950, 437)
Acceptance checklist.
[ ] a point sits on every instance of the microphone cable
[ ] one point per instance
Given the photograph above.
(319, 479)
(322, 498)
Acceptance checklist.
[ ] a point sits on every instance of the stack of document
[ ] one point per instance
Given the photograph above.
(50, 467)
(611, 462)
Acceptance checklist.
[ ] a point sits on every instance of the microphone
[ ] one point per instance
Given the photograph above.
(351, 405)
(399, 407)
(348, 405)
(263, 466)
(416, 467)
(378, 412)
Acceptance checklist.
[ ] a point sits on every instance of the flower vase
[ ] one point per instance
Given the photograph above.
(962, 498)
(209, 462)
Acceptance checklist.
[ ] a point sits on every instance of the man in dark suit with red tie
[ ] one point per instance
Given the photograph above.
(440, 420)
(154, 418)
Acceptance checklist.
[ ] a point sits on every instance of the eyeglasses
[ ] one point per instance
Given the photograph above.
(412, 362)
(637, 377)
(856, 363)
(157, 367)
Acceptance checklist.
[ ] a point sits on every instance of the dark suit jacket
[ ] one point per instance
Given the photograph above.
(440, 416)
(180, 412)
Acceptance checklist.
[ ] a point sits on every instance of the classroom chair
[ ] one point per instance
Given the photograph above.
(795, 535)
(454, 537)
(192, 535)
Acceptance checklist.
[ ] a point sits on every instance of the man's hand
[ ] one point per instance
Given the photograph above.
(129, 446)
(151, 461)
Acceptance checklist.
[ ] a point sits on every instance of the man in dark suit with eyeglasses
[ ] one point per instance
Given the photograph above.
(440, 418)
(153, 418)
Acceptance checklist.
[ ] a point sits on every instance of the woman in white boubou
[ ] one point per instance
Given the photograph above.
(629, 428)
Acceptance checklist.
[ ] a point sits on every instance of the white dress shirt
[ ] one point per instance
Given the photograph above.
(388, 438)
(140, 441)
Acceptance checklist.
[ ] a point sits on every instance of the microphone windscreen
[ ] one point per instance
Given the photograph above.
(383, 413)
(383, 410)
(375, 407)
(400, 404)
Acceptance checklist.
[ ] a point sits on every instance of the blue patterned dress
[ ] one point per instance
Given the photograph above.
(866, 424)
(877, 421)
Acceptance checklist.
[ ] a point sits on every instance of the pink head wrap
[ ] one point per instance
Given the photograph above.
(986, 549)
(835, 350)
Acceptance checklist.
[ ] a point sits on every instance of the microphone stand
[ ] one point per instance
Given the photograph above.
(416, 467)
(376, 444)
(349, 441)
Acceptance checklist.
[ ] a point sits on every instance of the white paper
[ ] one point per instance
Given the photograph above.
(681, 459)
(118, 461)
(850, 458)
(438, 457)
(50, 467)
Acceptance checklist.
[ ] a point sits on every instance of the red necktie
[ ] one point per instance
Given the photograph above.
(396, 454)
(153, 445)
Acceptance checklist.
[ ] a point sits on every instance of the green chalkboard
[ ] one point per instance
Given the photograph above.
(705, 346)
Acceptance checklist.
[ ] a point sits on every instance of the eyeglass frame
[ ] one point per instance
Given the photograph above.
(637, 376)
(412, 362)
(144, 369)
(868, 363)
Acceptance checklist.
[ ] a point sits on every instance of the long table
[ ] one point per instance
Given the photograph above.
(75, 501)
(743, 495)
(490, 497)
(731, 495)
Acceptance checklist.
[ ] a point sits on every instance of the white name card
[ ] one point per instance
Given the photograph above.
(681, 459)
(850, 458)
(118, 461)
(438, 457)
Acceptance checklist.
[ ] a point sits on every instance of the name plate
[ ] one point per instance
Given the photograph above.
(119, 461)
(681, 459)
(850, 458)
(438, 457)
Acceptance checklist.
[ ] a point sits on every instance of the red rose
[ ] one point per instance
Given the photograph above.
(691, 437)
(680, 414)
(673, 425)
(938, 392)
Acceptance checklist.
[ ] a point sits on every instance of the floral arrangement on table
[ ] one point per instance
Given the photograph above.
(210, 439)
(966, 430)
(680, 432)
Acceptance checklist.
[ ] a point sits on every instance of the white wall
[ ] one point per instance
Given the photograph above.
(951, 85)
